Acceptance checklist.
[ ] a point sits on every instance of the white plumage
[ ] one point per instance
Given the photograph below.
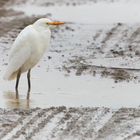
(28, 49)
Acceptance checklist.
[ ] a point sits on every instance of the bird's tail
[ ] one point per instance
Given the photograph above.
(10, 76)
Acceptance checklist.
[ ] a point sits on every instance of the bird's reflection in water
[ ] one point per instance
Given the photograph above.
(13, 103)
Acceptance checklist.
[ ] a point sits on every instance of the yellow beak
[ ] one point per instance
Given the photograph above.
(56, 23)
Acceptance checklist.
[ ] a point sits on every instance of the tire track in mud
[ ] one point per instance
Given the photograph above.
(22, 121)
(75, 123)
(97, 35)
(110, 39)
(10, 119)
(45, 120)
(110, 34)
(79, 123)
(133, 136)
(5, 122)
(134, 35)
(120, 40)
(128, 42)
(122, 125)
(48, 128)
(71, 125)
(35, 124)
(98, 121)
(62, 124)
(86, 125)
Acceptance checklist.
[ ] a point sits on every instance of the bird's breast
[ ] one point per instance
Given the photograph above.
(38, 48)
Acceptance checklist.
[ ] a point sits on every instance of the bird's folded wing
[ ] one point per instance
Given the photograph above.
(20, 53)
(16, 62)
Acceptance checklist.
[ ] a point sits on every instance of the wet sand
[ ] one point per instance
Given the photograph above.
(97, 65)
(70, 123)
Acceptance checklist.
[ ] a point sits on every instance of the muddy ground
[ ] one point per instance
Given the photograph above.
(118, 40)
(70, 123)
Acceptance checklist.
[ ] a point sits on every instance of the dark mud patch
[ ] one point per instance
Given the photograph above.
(81, 67)
(57, 2)
(117, 74)
(3, 2)
(16, 23)
(9, 13)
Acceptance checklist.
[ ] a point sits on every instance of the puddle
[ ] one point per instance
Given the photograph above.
(74, 91)
(100, 13)
(11, 101)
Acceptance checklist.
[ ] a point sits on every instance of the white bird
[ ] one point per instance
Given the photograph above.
(28, 48)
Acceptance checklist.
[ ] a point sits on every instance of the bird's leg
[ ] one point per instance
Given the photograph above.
(17, 81)
(29, 83)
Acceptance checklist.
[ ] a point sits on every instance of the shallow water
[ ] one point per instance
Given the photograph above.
(73, 91)
(100, 13)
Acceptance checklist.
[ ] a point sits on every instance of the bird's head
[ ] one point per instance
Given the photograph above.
(47, 23)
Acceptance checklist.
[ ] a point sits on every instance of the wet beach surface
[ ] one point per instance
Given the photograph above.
(90, 64)
(70, 123)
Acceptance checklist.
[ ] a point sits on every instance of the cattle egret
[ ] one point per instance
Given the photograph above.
(28, 48)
